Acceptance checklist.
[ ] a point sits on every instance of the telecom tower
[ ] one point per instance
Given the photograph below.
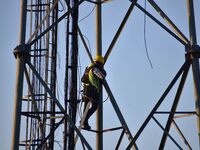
(38, 111)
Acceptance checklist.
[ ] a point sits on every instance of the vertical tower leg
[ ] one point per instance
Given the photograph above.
(99, 145)
(20, 58)
(195, 61)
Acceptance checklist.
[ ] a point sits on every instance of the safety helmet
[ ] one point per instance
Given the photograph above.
(99, 59)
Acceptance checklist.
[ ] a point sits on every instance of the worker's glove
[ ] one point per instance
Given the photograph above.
(98, 73)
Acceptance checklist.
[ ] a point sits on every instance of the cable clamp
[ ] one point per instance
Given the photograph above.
(21, 50)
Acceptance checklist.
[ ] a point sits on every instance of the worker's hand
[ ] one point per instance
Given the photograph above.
(98, 73)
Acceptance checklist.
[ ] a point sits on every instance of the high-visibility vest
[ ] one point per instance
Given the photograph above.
(94, 81)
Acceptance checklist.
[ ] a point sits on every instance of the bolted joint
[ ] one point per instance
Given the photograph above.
(192, 51)
(20, 50)
(192, 48)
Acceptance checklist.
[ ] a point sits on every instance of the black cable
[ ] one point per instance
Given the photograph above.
(145, 40)
(106, 99)
(62, 6)
(79, 74)
(80, 84)
(59, 1)
(88, 41)
(88, 14)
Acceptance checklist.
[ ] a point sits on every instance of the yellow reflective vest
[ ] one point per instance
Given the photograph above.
(94, 81)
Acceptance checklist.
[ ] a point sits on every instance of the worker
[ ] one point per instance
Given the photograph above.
(91, 79)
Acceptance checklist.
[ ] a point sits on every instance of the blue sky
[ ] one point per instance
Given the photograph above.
(134, 84)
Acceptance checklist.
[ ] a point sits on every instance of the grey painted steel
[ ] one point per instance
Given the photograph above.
(161, 24)
(195, 62)
(19, 79)
(53, 67)
(66, 80)
(118, 112)
(169, 22)
(58, 104)
(177, 112)
(174, 106)
(73, 73)
(167, 134)
(124, 22)
(55, 23)
(120, 139)
(119, 31)
(85, 45)
(43, 21)
(162, 98)
(52, 131)
(182, 136)
(181, 38)
(99, 114)
(30, 88)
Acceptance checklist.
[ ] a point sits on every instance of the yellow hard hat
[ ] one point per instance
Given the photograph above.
(99, 59)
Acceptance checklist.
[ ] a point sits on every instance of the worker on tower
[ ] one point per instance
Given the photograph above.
(91, 79)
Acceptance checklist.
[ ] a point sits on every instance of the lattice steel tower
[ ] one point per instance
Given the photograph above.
(38, 112)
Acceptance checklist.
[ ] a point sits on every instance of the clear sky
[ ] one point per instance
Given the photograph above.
(134, 84)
